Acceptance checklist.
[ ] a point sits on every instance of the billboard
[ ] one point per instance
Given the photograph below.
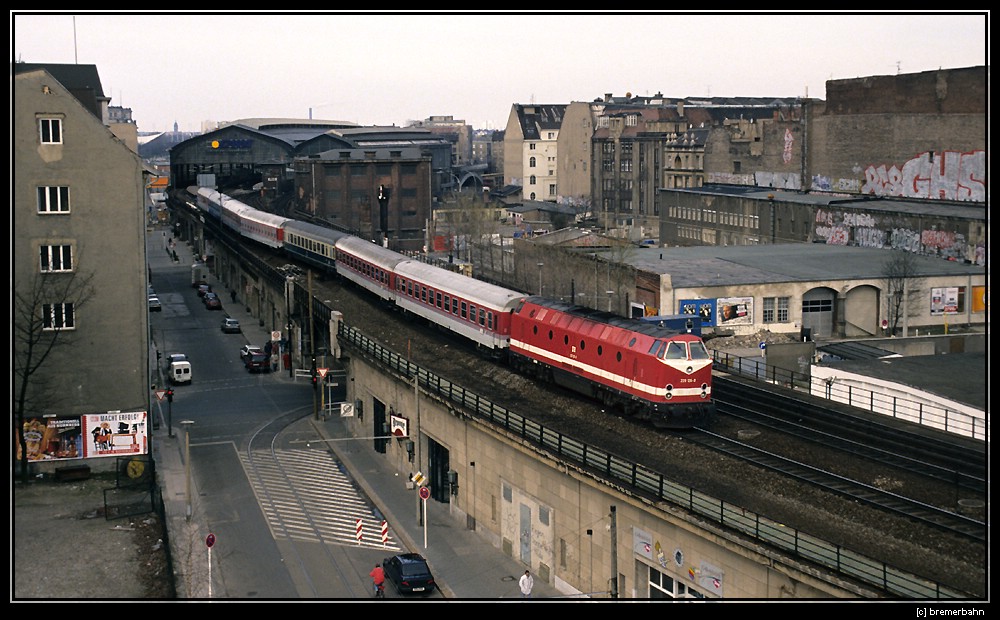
(64, 438)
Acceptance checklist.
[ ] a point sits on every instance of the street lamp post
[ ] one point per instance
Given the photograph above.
(610, 293)
(540, 265)
(187, 464)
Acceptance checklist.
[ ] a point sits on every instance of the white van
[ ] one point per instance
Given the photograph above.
(180, 372)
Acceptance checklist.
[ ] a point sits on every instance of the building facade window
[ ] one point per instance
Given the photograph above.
(531, 162)
(53, 200)
(665, 586)
(531, 196)
(57, 316)
(552, 189)
(531, 180)
(50, 130)
(56, 258)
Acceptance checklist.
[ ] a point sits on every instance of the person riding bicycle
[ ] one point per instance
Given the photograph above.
(378, 577)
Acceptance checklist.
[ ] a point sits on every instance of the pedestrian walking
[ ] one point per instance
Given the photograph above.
(526, 583)
(232, 295)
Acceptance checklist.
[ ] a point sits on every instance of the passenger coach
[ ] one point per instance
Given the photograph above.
(471, 308)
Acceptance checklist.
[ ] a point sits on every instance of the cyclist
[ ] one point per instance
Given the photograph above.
(378, 580)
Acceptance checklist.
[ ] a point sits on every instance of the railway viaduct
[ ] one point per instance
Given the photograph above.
(581, 519)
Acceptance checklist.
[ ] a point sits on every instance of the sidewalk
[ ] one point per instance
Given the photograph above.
(466, 566)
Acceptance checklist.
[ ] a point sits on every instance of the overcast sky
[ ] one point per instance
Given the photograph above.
(385, 69)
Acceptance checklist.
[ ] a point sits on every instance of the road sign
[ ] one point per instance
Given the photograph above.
(160, 394)
(210, 540)
(424, 493)
(763, 345)
(885, 323)
(322, 372)
(419, 478)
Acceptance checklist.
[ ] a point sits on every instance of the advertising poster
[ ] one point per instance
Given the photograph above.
(705, 308)
(734, 311)
(944, 300)
(114, 434)
(52, 438)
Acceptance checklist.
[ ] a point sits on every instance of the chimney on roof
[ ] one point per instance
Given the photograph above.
(607, 97)
(680, 109)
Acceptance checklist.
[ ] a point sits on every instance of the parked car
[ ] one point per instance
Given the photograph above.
(230, 326)
(204, 288)
(249, 349)
(258, 362)
(154, 303)
(409, 573)
(212, 301)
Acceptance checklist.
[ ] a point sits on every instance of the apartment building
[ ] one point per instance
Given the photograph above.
(79, 258)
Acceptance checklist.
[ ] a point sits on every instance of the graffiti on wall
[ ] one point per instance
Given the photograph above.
(951, 175)
(778, 180)
(826, 184)
(863, 230)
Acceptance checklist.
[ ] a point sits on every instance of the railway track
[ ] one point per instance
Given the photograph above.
(852, 489)
(935, 454)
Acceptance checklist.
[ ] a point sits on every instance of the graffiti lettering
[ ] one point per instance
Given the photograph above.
(952, 176)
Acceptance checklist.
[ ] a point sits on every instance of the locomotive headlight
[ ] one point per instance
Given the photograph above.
(670, 392)
(689, 370)
(704, 390)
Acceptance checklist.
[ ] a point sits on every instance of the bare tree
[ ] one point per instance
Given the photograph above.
(901, 287)
(37, 336)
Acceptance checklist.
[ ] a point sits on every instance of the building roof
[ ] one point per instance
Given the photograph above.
(82, 81)
(949, 375)
(691, 267)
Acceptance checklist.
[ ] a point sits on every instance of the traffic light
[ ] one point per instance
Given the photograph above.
(170, 395)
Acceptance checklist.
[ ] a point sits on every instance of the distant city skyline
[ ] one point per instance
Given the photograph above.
(390, 69)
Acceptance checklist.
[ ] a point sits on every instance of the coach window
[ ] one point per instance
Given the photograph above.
(447, 303)
(454, 306)
(423, 294)
(465, 310)
(482, 317)
(631, 343)
(489, 320)
(438, 301)
(409, 289)
(472, 313)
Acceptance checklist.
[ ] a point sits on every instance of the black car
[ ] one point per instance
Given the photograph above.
(409, 573)
(258, 362)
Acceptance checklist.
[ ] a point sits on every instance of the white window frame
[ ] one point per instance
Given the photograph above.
(55, 258)
(53, 199)
(49, 126)
(58, 316)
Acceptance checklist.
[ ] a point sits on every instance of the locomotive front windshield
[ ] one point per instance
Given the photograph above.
(678, 350)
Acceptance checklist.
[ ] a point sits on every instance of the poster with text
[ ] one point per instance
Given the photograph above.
(114, 434)
(734, 311)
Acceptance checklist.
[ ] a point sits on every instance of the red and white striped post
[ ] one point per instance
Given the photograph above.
(359, 531)
(385, 533)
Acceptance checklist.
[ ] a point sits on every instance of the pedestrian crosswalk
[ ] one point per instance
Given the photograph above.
(306, 496)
